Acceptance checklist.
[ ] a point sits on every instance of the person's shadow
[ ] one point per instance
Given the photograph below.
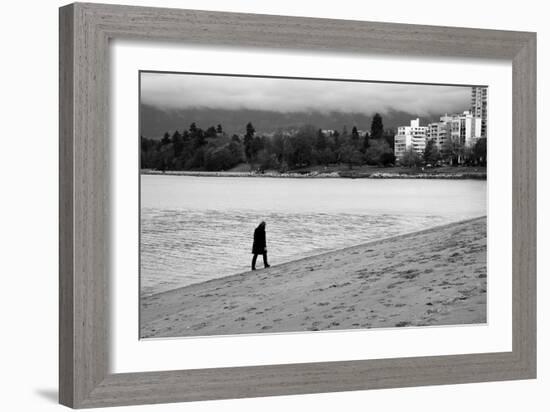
(51, 395)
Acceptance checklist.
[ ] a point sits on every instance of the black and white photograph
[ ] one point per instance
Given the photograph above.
(275, 206)
(272, 205)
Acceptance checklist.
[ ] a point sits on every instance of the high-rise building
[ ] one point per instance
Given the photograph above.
(479, 107)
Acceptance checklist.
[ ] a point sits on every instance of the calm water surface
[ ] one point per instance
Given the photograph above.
(199, 228)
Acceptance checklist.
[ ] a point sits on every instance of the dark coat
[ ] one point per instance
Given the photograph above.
(259, 245)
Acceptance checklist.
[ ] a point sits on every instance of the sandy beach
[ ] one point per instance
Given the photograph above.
(437, 276)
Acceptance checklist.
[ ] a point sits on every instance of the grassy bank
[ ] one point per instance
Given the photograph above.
(372, 172)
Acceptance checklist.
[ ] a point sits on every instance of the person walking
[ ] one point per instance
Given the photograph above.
(259, 246)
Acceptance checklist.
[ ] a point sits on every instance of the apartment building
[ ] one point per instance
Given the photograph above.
(439, 132)
(463, 128)
(407, 137)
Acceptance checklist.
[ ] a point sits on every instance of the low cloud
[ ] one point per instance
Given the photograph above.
(182, 91)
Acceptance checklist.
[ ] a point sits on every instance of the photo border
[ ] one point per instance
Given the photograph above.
(85, 32)
(250, 76)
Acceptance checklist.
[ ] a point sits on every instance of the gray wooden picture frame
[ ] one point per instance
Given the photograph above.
(85, 31)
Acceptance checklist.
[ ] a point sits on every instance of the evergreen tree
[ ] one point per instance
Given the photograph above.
(336, 143)
(165, 139)
(248, 141)
(366, 143)
(354, 134)
(177, 140)
(211, 132)
(389, 135)
(199, 138)
(377, 127)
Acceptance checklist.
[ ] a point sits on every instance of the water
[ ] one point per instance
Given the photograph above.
(199, 228)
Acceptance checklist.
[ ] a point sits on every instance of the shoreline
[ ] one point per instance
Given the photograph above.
(322, 175)
(400, 236)
(364, 280)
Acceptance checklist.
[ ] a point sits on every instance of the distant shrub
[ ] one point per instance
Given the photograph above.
(267, 160)
(379, 152)
(219, 158)
(411, 159)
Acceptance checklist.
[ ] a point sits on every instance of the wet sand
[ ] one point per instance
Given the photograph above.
(436, 276)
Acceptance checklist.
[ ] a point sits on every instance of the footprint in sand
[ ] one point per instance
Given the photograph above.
(409, 274)
(394, 284)
(198, 326)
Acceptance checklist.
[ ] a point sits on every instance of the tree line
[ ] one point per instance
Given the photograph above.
(212, 149)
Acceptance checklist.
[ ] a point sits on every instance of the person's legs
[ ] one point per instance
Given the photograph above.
(254, 261)
(264, 255)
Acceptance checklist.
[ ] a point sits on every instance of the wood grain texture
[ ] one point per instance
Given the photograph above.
(66, 229)
(85, 31)
(524, 185)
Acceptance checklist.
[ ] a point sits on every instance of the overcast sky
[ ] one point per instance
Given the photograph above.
(183, 91)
